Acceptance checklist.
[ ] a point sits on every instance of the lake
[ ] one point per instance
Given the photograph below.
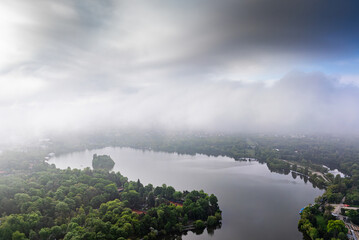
(256, 203)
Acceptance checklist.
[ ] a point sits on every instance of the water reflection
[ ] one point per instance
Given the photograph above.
(256, 203)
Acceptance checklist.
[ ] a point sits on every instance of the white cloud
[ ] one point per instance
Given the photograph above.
(17, 86)
(350, 79)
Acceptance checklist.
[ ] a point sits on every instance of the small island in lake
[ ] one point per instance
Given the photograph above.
(102, 162)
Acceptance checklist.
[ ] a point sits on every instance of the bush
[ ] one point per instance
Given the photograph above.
(211, 221)
(199, 224)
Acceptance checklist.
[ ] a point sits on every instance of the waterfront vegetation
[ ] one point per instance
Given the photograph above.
(315, 219)
(38, 201)
(317, 224)
(102, 162)
(337, 190)
(302, 156)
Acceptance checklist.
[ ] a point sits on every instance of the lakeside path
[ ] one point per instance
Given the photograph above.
(311, 171)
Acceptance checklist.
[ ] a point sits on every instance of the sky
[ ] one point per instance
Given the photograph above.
(232, 66)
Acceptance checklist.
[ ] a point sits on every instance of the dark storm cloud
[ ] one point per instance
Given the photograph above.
(300, 24)
(303, 29)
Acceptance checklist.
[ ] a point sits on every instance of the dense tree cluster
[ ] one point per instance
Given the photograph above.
(319, 224)
(102, 162)
(96, 204)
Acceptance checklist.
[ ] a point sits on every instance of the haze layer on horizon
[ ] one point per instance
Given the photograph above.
(250, 65)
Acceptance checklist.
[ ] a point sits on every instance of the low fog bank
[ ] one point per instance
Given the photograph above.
(298, 102)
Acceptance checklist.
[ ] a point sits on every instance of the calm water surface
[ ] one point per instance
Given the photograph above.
(256, 203)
